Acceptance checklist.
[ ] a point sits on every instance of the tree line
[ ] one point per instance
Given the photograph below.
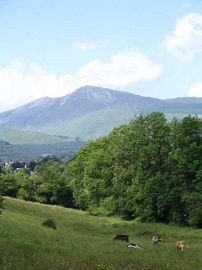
(47, 183)
(149, 169)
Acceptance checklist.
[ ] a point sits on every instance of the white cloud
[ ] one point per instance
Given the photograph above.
(89, 46)
(195, 90)
(20, 83)
(186, 40)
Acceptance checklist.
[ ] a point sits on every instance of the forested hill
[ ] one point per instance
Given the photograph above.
(150, 170)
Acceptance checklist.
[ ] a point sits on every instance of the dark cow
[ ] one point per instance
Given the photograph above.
(121, 237)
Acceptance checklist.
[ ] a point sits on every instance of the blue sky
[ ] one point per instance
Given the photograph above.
(50, 48)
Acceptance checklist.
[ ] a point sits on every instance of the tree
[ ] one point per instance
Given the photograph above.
(185, 163)
(52, 183)
(8, 183)
(150, 169)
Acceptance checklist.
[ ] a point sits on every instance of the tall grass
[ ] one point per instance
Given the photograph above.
(85, 242)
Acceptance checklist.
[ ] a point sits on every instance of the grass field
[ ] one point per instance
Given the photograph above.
(85, 242)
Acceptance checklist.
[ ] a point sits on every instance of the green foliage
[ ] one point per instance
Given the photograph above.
(52, 181)
(48, 183)
(149, 169)
(49, 223)
(8, 183)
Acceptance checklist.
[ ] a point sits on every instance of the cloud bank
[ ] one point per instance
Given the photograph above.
(20, 82)
(186, 40)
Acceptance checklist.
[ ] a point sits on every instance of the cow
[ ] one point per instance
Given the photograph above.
(156, 239)
(132, 245)
(121, 237)
(180, 245)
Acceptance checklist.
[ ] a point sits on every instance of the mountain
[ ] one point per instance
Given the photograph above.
(91, 111)
(84, 100)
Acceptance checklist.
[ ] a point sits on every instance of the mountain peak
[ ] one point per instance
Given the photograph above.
(94, 94)
(90, 89)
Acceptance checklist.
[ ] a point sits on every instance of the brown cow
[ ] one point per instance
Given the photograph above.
(180, 245)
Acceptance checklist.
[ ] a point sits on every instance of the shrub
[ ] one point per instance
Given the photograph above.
(49, 223)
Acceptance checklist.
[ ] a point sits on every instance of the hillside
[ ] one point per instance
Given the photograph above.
(17, 136)
(92, 125)
(90, 112)
(37, 151)
(84, 242)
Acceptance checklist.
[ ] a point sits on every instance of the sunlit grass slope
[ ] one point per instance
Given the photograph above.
(17, 136)
(92, 125)
(85, 242)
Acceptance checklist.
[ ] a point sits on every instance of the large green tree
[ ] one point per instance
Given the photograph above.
(149, 169)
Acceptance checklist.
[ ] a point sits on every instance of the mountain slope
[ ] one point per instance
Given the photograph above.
(17, 136)
(84, 100)
(63, 150)
(92, 125)
(91, 111)
(186, 100)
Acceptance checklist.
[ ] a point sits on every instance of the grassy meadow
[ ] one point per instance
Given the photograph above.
(83, 242)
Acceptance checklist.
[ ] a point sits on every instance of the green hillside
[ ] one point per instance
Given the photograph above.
(99, 123)
(37, 151)
(92, 125)
(17, 136)
(85, 242)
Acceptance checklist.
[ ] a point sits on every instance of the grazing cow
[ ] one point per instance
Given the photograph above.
(131, 245)
(156, 239)
(180, 245)
(122, 237)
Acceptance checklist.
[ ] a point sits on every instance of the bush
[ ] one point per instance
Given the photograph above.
(49, 223)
